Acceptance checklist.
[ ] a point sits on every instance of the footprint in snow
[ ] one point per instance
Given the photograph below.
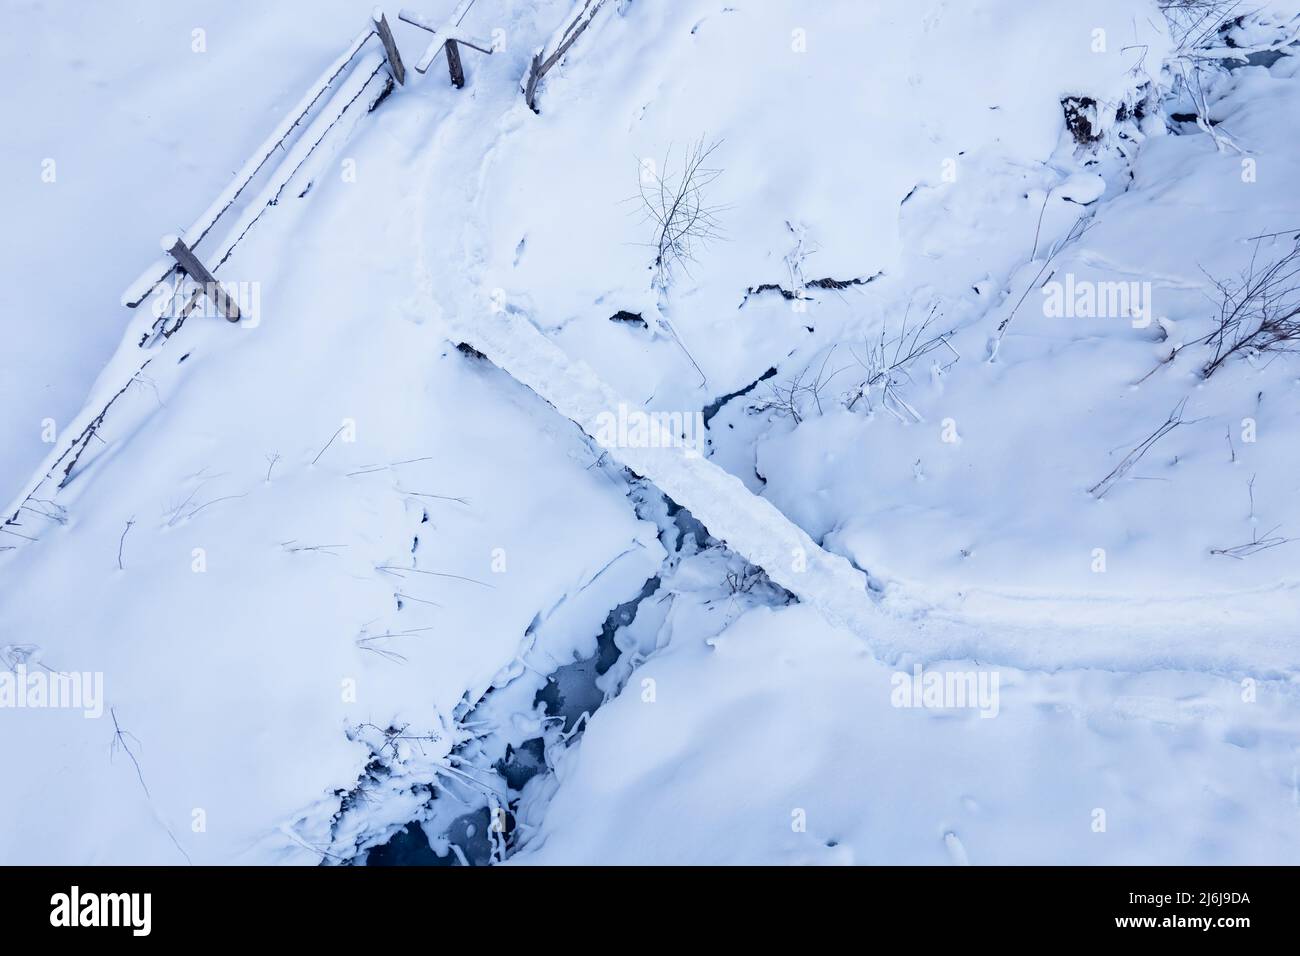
(956, 852)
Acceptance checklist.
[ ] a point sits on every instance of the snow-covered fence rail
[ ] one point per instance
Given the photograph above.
(553, 52)
(345, 81)
(447, 37)
(339, 87)
(162, 268)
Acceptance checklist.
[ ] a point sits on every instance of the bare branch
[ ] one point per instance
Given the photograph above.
(1259, 312)
(129, 524)
(674, 203)
(887, 362)
(1135, 454)
(1254, 545)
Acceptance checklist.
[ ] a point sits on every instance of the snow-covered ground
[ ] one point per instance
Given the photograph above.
(953, 553)
(144, 121)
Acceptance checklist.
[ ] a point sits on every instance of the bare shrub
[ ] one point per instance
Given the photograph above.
(1259, 312)
(1199, 27)
(1270, 538)
(675, 203)
(791, 398)
(1199, 30)
(887, 362)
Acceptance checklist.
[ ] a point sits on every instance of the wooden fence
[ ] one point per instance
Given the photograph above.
(363, 69)
(350, 75)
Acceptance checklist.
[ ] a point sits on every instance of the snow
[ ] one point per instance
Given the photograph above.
(229, 680)
(781, 718)
(117, 118)
(324, 540)
(748, 524)
(194, 235)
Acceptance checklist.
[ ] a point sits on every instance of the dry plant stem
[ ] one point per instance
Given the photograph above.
(1174, 420)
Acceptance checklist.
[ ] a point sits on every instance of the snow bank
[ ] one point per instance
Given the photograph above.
(779, 742)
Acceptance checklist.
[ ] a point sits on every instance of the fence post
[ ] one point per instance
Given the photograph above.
(447, 37)
(453, 65)
(197, 271)
(390, 46)
(530, 84)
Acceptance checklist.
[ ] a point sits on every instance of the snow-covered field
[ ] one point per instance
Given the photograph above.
(820, 433)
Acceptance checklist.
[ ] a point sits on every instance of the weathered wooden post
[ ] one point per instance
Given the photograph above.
(453, 65)
(197, 271)
(449, 36)
(390, 46)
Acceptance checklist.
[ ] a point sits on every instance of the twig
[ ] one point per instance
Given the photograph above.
(1039, 228)
(1135, 454)
(213, 502)
(1254, 545)
(386, 654)
(176, 512)
(421, 494)
(410, 597)
(119, 740)
(787, 398)
(1076, 232)
(1259, 312)
(49, 510)
(328, 443)
(369, 470)
(887, 363)
(122, 541)
(394, 569)
(322, 548)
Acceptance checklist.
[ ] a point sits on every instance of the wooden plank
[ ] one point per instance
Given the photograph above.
(390, 48)
(530, 85)
(197, 271)
(474, 43)
(453, 65)
(424, 23)
(435, 45)
(416, 20)
(540, 67)
(443, 37)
